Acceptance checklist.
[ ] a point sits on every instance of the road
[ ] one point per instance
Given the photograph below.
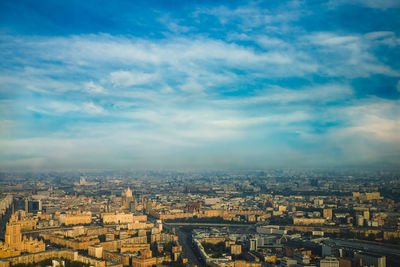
(188, 249)
(367, 247)
(185, 240)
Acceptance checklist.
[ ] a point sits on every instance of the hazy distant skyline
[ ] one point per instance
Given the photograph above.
(199, 84)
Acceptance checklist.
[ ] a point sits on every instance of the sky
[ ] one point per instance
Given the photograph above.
(199, 84)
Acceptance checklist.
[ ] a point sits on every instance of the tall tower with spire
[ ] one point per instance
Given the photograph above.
(13, 236)
(128, 193)
(128, 197)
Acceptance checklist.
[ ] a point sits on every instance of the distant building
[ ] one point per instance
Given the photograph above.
(318, 202)
(253, 244)
(132, 206)
(128, 198)
(193, 206)
(308, 221)
(236, 249)
(314, 182)
(370, 259)
(360, 220)
(149, 206)
(367, 196)
(366, 215)
(33, 206)
(329, 262)
(288, 262)
(75, 219)
(303, 259)
(327, 214)
(122, 218)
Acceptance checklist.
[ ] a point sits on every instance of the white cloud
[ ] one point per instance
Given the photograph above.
(192, 86)
(270, 42)
(128, 78)
(381, 4)
(61, 107)
(383, 37)
(383, 129)
(199, 91)
(377, 119)
(90, 107)
(251, 16)
(378, 35)
(319, 93)
(349, 56)
(283, 119)
(330, 39)
(54, 107)
(173, 24)
(91, 87)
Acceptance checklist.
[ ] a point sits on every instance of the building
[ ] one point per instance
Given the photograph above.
(56, 254)
(271, 229)
(33, 206)
(360, 220)
(122, 218)
(132, 206)
(288, 262)
(13, 236)
(366, 215)
(329, 262)
(308, 221)
(95, 251)
(193, 206)
(134, 247)
(327, 214)
(303, 259)
(144, 260)
(236, 249)
(128, 197)
(253, 244)
(242, 263)
(149, 206)
(75, 219)
(15, 243)
(370, 259)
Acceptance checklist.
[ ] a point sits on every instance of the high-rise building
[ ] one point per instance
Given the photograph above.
(149, 206)
(33, 206)
(128, 193)
(128, 198)
(13, 236)
(132, 206)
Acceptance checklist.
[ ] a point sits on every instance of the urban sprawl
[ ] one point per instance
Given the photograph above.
(325, 218)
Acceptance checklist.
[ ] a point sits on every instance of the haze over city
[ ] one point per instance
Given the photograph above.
(199, 84)
(200, 133)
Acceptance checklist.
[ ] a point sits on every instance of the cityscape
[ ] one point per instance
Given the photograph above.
(207, 218)
(188, 133)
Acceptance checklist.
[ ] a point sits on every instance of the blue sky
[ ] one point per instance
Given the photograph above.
(199, 84)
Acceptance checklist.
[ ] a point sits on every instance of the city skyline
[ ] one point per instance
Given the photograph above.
(211, 84)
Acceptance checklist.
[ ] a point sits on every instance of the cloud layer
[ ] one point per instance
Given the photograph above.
(204, 86)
